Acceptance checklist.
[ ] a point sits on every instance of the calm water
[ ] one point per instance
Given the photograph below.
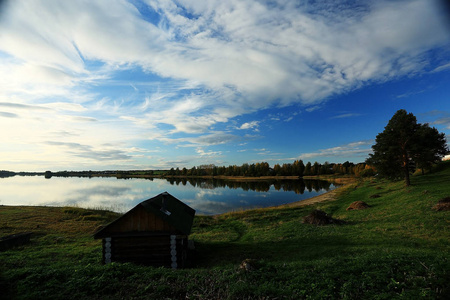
(205, 196)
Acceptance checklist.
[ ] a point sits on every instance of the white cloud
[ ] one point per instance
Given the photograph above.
(346, 115)
(8, 115)
(214, 138)
(441, 68)
(313, 108)
(202, 152)
(263, 53)
(250, 125)
(359, 149)
(63, 106)
(443, 121)
(436, 117)
(71, 59)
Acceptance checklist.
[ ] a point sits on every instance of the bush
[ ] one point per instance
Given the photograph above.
(367, 173)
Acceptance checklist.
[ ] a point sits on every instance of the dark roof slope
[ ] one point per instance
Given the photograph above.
(172, 210)
(164, 206)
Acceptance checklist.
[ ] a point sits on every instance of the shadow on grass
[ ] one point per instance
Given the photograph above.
(277, 251)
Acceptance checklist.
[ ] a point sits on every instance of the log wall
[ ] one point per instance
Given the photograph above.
(166, 250)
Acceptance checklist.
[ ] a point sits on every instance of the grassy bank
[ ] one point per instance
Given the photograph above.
(398, 248)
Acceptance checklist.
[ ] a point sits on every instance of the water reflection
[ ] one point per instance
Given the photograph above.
(206, 196)
(297, 186)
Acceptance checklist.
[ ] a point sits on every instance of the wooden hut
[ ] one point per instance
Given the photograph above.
(155, 232)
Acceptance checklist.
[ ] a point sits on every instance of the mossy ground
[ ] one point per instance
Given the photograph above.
(398, 248)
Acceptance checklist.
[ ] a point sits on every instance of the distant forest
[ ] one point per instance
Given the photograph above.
(297, 168)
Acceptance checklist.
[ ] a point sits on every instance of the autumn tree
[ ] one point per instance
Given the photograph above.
(298, 168)
(277, 169)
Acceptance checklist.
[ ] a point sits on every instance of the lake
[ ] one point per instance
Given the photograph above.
(207, 197)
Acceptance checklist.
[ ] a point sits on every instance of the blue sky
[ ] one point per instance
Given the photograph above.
(158, 84)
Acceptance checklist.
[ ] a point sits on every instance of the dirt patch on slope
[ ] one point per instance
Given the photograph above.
(319, 217)
(357, 205)
(443, 204)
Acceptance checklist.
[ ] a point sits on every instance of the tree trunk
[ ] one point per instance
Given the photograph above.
(407, 181)
(406, 167)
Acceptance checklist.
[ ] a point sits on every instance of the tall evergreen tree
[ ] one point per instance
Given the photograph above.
(308, 169)
(316, 168)
(430, 148)
(298, 168)
(301, 168)
(400, 143)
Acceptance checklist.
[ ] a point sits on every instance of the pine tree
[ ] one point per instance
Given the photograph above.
(430, 148)
(403, 141)
(308, 169)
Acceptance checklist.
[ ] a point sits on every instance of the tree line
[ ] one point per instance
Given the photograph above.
(404, 146)
(297, 186)
(297, 168)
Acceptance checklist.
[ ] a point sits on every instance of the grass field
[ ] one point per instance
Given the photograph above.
(398, 248)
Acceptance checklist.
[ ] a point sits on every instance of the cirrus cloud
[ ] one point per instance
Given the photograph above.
(180, 71)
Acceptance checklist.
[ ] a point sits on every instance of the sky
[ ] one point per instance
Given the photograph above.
(155, 84)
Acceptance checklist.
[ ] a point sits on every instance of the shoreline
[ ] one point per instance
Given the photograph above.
(328, 196)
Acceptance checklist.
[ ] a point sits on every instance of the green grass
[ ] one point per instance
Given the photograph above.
(398, 248)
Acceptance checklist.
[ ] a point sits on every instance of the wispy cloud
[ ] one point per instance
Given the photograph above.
(355, 149)
(8, 115)
(299, 56)
(202, 152)
(441, 68)
(88, 152)
(21, 106)
(437, 117)
(313, 108)
(443, 121)
(346, 115)
(214, 138)
(103, 70)
(409, 94)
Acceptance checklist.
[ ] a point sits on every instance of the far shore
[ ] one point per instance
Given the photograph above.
(339, 179)
(332, 178)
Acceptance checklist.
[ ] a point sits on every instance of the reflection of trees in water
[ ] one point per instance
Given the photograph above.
(298, 186)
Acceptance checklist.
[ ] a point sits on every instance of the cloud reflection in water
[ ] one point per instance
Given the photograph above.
(205, 196)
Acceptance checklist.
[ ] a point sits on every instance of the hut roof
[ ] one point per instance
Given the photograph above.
(165, 207)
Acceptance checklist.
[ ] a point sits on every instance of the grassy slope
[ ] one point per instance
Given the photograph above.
(399, 248)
